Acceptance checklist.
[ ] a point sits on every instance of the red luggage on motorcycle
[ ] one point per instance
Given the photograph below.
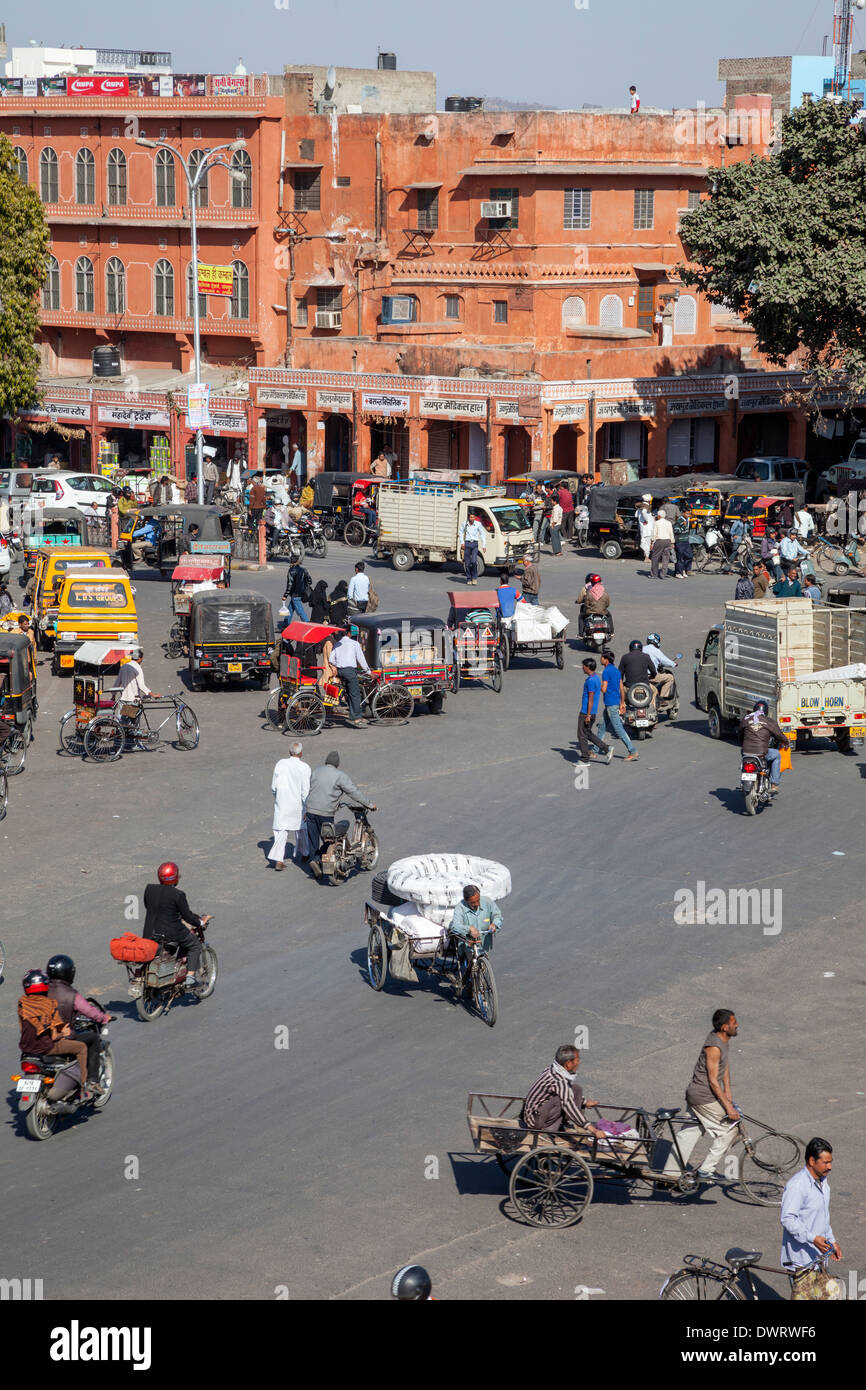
(130, 947)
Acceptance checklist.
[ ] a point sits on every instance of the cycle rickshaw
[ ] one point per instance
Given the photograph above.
(18, 703)
(476, 622)
(552, 1173)
(97, 728)
(408, 926)
(191, 575)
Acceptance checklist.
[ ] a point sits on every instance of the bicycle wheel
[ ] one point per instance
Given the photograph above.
(187, 728)
(688, 1286)
(104, 739)
(14, 752)
(766, 1165)
(275, 709)
(2, 962)
(305, 714)
(827, 560)
(484, 992)
(71, 735)
(4, 794)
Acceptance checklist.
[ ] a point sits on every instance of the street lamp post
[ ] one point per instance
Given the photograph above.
(193, 183)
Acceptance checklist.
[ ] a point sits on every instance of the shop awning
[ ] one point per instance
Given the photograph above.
(303, 164)
(424, 185)
(498, 169)
(652, 266)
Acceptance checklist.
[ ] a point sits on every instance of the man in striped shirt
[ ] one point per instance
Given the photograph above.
(555, 1101)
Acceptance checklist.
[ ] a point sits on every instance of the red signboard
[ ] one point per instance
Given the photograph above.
(97, 86)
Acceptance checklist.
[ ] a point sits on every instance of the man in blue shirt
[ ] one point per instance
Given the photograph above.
(475, 919)
(589, 708)
(806, 1209)
(613, 700)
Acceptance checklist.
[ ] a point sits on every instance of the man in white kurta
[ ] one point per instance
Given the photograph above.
(290, 784)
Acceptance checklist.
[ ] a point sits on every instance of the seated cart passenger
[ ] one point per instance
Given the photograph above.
(555, 1101)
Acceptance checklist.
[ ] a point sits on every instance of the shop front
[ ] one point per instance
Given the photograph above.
(763, 426)
(56, 434)
(622, 435)
(385, 417)
(567, 424)
(227, 435)
(134, 437)
(834, 428)
(338, 409)
(283, 425)
(456, 433)
(692, 442)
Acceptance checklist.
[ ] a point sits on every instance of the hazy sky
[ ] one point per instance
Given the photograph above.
(548, 51)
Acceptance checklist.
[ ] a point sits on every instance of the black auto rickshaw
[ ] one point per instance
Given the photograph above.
(613, 511)
(336, 499)
(411, 658)
(231, 637)
(63, 527)
(18, 703)
(176, 528)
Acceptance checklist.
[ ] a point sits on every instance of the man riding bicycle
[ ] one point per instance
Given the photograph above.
(474, 921)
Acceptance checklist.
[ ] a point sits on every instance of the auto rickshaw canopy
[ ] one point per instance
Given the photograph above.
(225, 615)
(101, 654)
(15, 662)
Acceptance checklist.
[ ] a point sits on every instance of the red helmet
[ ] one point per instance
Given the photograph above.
(168, 873)
(35, 982)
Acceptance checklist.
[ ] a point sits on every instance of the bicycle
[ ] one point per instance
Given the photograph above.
(107, 736)
(4, 794)
(13, 749)
(701, 1280)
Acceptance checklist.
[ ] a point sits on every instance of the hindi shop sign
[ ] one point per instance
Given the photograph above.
(135, 416)
(335, 400)
(508, 410)
(696, 405)
(384, 404)
(282, 395)
(766, 402)
(450, 407)
(624, 410)
(59, 410)
(222, 422)
(215, 279)
(566, 411)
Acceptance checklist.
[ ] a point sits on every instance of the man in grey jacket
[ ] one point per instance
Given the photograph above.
(328, 786)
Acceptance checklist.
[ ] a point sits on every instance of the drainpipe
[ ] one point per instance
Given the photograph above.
(378, 189)
(590, 440)
(290, 285)
(354, 416)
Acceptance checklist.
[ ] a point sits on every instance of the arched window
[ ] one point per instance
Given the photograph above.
(21, 161)
(84, 285)
(242, 188)
(610, 313)
(686, 314)
(190, 291)
(165, 192)
(163, 299)
(85, 177)
(239, 304)
(116, 178)
(48, 176)
(51, 288)
(115, 287)
(573, 311)
(195, 159)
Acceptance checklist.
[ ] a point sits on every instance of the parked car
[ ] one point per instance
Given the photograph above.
(773, 468)
(16, 483)
(77, 490)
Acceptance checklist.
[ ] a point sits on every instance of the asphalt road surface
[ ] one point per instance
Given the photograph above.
(227, 1166)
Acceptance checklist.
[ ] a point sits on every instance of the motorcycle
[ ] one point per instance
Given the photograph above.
(596, 629)
(312, 537)
(348, 846)
(285, 545)
(12, 542)
(641, 715)
(156, 984)
(754, 782)
(48, 1087)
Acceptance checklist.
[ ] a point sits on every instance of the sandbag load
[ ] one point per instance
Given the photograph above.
(133, 949)
(535, 624)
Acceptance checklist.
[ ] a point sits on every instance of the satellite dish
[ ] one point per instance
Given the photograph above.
(331, 82)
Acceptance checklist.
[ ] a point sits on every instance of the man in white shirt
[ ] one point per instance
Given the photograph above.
(289, 784)
(663, 540)
(645, 524)
(132, 683)
(804, 524)
(472, 536)
(359, 589)
(348, 658)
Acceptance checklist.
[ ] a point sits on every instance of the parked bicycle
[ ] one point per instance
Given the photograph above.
(701, 1280)
(109, 735)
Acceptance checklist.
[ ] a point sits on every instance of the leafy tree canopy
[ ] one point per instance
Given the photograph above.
(24, 240)
(782, 240)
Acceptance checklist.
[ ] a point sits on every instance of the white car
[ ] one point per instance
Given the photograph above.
(77, 490)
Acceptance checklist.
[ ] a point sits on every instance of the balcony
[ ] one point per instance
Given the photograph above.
(137, 214)
(150, 323)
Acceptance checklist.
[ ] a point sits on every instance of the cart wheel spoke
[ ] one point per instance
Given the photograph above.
(305, 714)
(393, 704)
(551, 1187)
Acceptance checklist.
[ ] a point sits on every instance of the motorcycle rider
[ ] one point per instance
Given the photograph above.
(43, 1032)
(61, 973)
(167, 917)
(757, 732)
(636, 666)
(662, 682)
(328, 786)
(412, 1284)
(594, 598)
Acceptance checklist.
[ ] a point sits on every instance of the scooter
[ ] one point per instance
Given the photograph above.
(312, 537)
(670, 705)
(49, 1087)
(754, 782)
(347, 846)
(640, 714)
(596, 629)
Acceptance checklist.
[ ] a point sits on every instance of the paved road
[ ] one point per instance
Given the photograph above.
(324, 1166)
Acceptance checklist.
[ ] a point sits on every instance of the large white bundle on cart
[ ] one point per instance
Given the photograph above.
(535, 624)
(432, 886)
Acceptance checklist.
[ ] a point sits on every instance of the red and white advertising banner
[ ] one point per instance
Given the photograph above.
(97, 86)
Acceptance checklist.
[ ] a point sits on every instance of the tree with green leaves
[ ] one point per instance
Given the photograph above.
(24, 240)
(782, 240)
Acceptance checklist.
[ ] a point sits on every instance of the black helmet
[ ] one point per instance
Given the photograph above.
(762, 706)
(61, 968)
(635, 646)
(412, 1284)
(653, 639)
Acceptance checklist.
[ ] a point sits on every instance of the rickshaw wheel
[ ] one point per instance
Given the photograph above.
(377, 957)
(496, 675)
(505, 652)
(551, 1187)
(305, 714)
(560, 655)
(71, 738)
(275, 710)
(187, 728)
(354, 534)
(15, 751)
(454, 680)
(393, 704)
(4, 794)
(104, 739)
(484, 994)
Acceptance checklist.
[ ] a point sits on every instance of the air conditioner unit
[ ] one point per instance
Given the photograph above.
(329, 318)
(681, 212)
(398, 308)
(491, 210)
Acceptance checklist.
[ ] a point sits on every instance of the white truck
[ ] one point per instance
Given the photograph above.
(793, 654)
(421, 521)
